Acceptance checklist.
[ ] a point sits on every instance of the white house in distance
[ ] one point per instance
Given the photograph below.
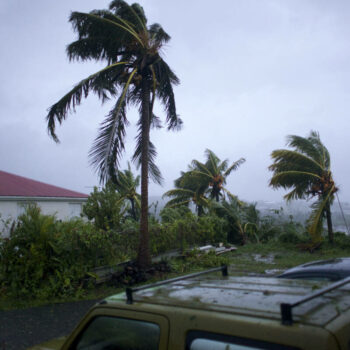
(16, 192)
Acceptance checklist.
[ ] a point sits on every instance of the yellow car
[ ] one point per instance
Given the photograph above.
(205, 311)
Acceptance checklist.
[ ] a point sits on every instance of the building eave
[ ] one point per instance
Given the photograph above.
(42, 199)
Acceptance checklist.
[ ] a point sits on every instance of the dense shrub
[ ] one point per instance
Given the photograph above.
(169, 215)
(105, 207)
(181, 229)
(342, 240)
(292, 232)
(44, 257)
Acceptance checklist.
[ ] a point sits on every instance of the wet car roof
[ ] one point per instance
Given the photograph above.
(250, 296)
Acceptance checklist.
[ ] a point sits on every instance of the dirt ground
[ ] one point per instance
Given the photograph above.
(20, 329)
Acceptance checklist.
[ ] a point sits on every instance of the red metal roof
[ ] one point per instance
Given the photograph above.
(14, 185)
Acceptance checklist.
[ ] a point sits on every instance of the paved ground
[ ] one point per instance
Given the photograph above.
(20, 329)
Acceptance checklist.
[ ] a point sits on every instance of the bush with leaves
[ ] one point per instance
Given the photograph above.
(27, 257)
(105, 207)
(342, 240)
(182, 228)
(45, 258)
(169, 215)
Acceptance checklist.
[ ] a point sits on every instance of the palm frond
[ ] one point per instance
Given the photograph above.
(285, 160)
(166, 79)
(212, 161)
(234, 166)
(133, 14)
(178, 192)
(173, 203)
(86, 24)
(107, 147)
(158, 34)
(109, 144)
(154, 171)
(315, 220)
(301, 181)
(232, 196)
(96, 48)
(299, 192)
(155, 122)
(97, 82)
(305, 146)
(200, 168)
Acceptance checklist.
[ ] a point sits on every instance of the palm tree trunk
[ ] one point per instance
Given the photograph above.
(329, 223)
(200, 210)
(144, 258)
(133, 212)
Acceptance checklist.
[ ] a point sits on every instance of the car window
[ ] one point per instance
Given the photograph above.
(109, 333)
(198, 340)
(313, 277)
(207, 344)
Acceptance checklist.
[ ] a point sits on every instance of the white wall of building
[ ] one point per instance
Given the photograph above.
(62, 208)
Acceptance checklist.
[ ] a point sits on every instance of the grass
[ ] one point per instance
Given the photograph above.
(248, 259)
(257, 258)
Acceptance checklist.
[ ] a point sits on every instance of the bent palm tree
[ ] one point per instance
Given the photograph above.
(135, 74)
(200, 180)
(213, 173)
(306, 170)
(188, 189)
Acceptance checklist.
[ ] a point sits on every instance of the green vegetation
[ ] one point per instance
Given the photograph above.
(202, 181)
(45, 260)
(126, 184)
(135, 74)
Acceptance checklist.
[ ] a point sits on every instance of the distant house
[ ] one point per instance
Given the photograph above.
(16, 192)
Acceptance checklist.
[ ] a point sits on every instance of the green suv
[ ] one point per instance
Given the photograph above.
(205, 311)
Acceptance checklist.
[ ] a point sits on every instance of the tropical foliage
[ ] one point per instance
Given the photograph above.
(126, 184)
(242, 219)
(213, 173)
(105, 207)
(306, 170)
(202, 182)
(135, 74)
(188, 189)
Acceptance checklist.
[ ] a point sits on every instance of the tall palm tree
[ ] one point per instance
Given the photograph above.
(213, 173)
(126, 184)
(135, 74)
(307, 171)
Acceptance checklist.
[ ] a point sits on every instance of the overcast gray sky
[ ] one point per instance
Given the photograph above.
(251, 71)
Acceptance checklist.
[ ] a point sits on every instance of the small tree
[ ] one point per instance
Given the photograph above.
(106, 207)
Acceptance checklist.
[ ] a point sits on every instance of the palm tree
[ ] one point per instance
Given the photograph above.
(213, 173)
(135, 74)
(188, 189)
(202, 180)
(126, 184)
(306, 170)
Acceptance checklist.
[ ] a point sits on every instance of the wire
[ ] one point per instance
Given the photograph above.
(342, 213)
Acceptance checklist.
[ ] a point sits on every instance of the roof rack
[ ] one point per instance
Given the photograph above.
(286, 308)
(129, 291)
